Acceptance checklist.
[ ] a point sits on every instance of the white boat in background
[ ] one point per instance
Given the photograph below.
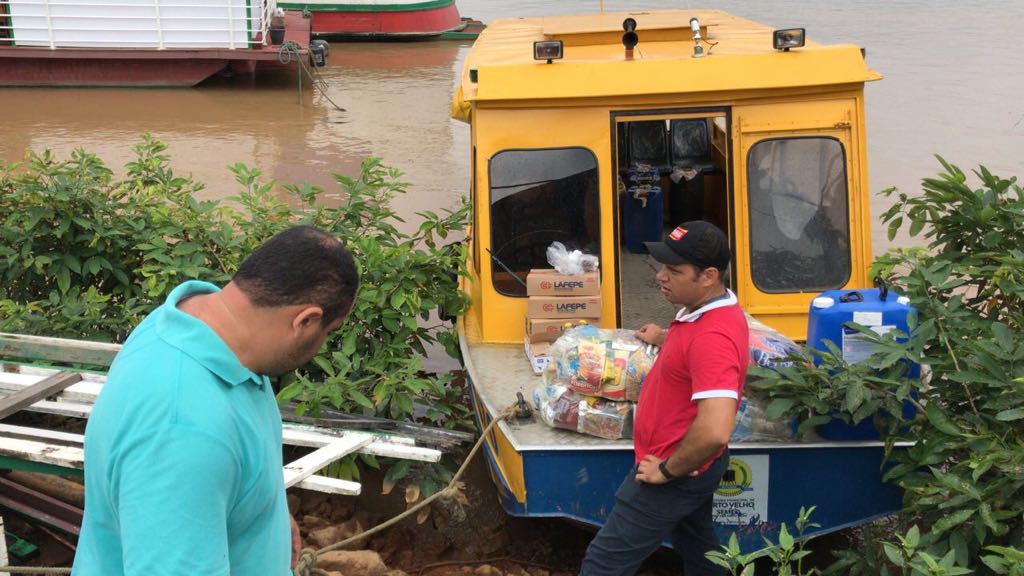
(381, 19)
(141, 42)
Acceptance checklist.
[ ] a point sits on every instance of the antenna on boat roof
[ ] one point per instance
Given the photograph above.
(502, 264)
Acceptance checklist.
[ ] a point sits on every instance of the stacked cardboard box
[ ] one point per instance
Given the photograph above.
(555, 300)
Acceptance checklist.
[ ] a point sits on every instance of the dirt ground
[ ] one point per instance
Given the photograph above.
(485, 542)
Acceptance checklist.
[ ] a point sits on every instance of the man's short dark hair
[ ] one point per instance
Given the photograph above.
(301, 265)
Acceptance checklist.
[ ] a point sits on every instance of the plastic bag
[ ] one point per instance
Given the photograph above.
(599, 362)
(768, 346)
(560, 407)
(572, 263)
(769, 349)
(752, 426)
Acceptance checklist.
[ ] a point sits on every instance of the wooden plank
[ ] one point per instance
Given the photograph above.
(57, 349)
(28, 396)
(41, 435)
(387, 445)
(63, 456)
(85, 391)
(69, 409)
(40, 507)
(331, 485)
(307, 465)
(3, 548)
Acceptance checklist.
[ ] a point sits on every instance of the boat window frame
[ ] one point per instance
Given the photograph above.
(846, 200)
(490, 206)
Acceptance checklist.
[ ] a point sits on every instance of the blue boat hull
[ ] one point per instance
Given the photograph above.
(766, 486)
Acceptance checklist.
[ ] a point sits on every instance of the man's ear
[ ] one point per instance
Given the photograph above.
(712, 275)
(308, 317)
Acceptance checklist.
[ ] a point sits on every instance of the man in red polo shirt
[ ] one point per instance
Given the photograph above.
(686, 412)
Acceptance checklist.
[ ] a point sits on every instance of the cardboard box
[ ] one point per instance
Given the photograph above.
(569, 307)
(549, 329)
(548, 282)
(537, 353)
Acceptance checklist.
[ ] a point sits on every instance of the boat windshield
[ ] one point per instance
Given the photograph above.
(799, 218)
(538, 197)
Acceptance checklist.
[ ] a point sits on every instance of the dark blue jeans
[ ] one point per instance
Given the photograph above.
(645, 515)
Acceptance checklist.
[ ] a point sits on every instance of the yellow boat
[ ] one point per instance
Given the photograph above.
(759, 131)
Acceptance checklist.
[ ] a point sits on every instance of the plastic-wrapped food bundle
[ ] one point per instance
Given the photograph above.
(752, 426)
(600, 362)
(768, 348)
(560, 407)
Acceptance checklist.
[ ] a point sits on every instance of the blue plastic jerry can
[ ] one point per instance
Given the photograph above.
(878, 309)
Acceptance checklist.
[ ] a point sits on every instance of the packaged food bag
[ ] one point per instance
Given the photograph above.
(769, 348)
(752, 426)
(560, 407)
(601, 362)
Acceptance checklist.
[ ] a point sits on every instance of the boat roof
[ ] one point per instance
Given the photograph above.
(739, 56)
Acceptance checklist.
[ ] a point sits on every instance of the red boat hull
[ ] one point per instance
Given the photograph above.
(387, 24)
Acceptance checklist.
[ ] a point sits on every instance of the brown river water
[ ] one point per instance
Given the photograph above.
(953, 86)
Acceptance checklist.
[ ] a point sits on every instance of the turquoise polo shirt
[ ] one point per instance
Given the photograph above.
(183, 459)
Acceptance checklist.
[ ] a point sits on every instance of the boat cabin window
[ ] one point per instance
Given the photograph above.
(538, 197)
(799, 215)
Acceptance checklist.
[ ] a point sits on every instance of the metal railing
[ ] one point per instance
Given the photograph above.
(147, 24)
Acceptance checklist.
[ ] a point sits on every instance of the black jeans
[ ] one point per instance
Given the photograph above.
(645, 515)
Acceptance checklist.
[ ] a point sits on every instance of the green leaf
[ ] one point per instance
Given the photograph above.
(913, 537)
(63, 280)
(893, 553)
(73, 263)
(855, 396)
(360, 399)
(778, 407)
(952, 520)
(325, 365)
(958, 544)
(785, 538)
(397, 299)
(894, 227)
(937, 417)
(1010, 415)
(812, 422)
(398, 471)
(290, 392)
(1003, 336)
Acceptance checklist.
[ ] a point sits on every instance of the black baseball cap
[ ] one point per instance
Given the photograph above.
(696, 242)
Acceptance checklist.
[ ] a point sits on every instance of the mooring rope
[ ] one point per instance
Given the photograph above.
(290, 51)
(307, 561)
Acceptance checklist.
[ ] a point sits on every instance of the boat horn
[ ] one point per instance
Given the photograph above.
(630, 38)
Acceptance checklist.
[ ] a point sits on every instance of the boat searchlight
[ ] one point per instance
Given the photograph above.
(788, 38)
(547, 50)
(698, 50)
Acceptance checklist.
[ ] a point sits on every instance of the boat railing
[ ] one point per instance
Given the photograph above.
(147, 24)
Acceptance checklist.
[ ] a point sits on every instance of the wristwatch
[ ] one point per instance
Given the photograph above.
(664, 470)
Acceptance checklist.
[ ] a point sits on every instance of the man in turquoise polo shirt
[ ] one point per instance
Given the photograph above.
(183, 448)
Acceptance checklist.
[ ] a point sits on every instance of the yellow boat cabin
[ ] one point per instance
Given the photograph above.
(604, 131)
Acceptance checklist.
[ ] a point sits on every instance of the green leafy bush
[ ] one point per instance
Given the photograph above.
(964, 475)
(86, 255)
